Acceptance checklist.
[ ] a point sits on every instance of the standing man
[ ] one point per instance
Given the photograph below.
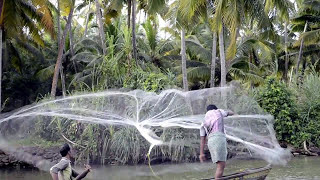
(63, 170)
(213, 127)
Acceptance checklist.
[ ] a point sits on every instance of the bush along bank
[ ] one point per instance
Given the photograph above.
(296, 110)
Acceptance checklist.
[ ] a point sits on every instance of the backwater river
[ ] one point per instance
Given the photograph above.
(298, 168)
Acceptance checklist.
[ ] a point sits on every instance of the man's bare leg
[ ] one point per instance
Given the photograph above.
(220, 168)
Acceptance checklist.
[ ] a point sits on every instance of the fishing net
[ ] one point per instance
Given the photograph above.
(167, 119)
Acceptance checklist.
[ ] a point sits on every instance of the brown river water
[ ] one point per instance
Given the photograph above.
(297, 168)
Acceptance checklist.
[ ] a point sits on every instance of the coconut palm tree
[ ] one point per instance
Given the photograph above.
(100, 25)
(227, 14)
(114, 10)
(232, 15)
(254, 60)
(282, 10)
(97, 70)
(308, 21)
(151, 47)
(86, 11)
(15, 15)
(184, 14)
(67, 8)
(150, 7)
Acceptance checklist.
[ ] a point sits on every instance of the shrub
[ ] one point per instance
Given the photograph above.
(276, 99)
(308, 95)
(148, 81)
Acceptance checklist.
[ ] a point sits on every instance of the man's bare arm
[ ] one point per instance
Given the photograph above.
(202, 144)
(74, 173)
(54, 176)
(84, 173)
(230, 113)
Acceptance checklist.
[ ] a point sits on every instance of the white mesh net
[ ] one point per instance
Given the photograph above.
(251, 130)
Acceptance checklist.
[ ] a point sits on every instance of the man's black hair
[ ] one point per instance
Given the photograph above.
(64, 150)
(211, 107)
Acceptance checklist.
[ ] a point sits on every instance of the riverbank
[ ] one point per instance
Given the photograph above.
(29, 157)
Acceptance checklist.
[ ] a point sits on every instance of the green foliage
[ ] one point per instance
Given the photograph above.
(28, 67)
(32, 141)
(149, 81)
(20, 84)
(277, 100)
(309, 104)
(183, 146)
(128, 145)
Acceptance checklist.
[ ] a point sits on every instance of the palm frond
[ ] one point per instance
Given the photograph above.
(11, 17)
(263, 48)
(33, 30)
(88, 44)
(283, 7)
(172, 14)
(46, 73)
(151, 34)
(172, 32)
(193, 9)
(82, 77)
(66, 6)
(43, 8)
(154, 6)
(312, 6)
(95, 61)
(310, 38)
(110, 14)
(239, 62)
(197, 49)
(199, 73)
(86, 57)
(231, 19)
(190, 64)
(31, 49)
(217, 18)
(245, 76)
(81, 6)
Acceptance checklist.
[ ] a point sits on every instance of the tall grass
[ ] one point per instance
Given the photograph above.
(308, 100)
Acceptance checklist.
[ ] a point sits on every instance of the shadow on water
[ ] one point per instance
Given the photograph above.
(297, 168)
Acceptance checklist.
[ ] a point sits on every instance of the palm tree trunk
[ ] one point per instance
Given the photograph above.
(184, 61)
(286, 51)
(304, 65)
(300, 51)
(0, 67)
(213, 59)
(87, 21)
(129, 13)
(63, 82)
(100, 24)
(134, 46)
(71, 40)
(71, 47)
(58, 24)
(222, 59)
(1, 26)
(139, 20)
(59, 58)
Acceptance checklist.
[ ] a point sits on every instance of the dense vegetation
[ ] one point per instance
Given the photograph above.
(62, 47)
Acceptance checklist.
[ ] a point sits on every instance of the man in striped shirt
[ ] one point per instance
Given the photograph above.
(63, 170)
